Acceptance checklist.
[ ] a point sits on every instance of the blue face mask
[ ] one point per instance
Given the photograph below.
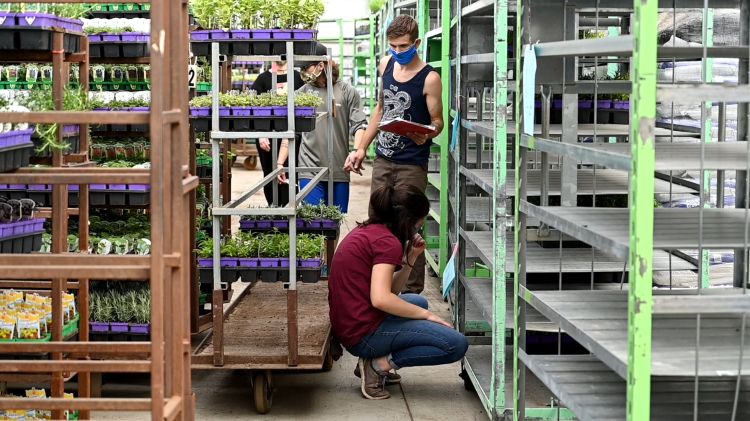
(405, 57)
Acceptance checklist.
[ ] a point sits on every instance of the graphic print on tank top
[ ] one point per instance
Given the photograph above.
(395, 104)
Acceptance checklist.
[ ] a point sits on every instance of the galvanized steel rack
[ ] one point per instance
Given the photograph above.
(261, 353)
(655, 353)
(166, 358)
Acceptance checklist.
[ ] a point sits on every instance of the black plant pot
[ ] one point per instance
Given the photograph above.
(15, 157)
(95, 50)
(97, 198)
(138, 199)
(242, 49)
(269, 275)
(35, 39)
(248, 275)
(111, 50)
(8, 39)
(135, 50)
(116, 198)
(243, 125)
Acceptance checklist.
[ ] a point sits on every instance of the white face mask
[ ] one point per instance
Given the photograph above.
(311, 77)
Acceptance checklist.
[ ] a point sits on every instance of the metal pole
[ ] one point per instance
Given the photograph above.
(215, 172)
(740, 254)
(274, 141)
(331, 112)
(722, 138)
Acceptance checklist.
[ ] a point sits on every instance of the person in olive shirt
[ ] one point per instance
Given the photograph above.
(349, 120)
(264, 83)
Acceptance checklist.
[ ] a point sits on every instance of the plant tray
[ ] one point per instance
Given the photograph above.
(119, 49)
(243, 124)
(35, 39)
(69, 329)
(14, 157)
(228, 275)
(23, 243)
(252, 42)
(330, 229)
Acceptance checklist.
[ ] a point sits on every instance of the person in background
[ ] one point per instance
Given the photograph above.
(387, 331)
(411, 90)
(264, 83)
(349, 121)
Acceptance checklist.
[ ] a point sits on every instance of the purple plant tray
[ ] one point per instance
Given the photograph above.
(260, 34)
(315, 223)
(118, 327)
(38, 20)
(585, 104)
(70, 129)
(42, 187)
(300, 223)
(227, 262)
(71, 24)
(99, 326)
(605, 104)
(268, 262)
(224, 112)
(281, 224)
(303, 34)
(621, 105)
(247, 224)
(139, 328)
(17, 186)
(7, 229)
(111, 37)
(38, 224)
(247, 262)
(262, 111)
(200, 35)
(263, 224)
(281, 34)
(200, 111)
(98, 187)
(15, 138)
(134, 37)
(139, 187)
(557, 104)
(117, 186)
(219, 34)
(7, 19)
(140, 109)
(304, 111)
(240, 34)
(241, 111)
(95, 38)
(284, 262)
(205, 262)
(327, 224)
(310, 263)
(280, 111)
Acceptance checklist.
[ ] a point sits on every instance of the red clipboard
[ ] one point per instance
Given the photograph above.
(403, 127)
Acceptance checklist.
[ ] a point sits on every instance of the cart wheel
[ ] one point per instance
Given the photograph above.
(468, 385)
(262, 392)
(250, 163)
(328, 361)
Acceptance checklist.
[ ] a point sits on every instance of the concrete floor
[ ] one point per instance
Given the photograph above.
(427, 393)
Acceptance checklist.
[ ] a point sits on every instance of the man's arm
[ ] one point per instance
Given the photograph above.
(354, 160)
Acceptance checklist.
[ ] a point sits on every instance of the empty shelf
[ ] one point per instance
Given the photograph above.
(598, 320)
(608, 181)
(607, 228)
(603, 130)
(547, 260)
(669, 156)
(594, 393)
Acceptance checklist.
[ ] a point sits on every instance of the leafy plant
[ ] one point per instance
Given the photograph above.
(309, 246)
(41, 100)
(107, 29)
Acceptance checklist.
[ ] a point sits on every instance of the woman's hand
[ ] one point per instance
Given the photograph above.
(282, 175)
(418, 246)
(265, 144)
(432, 317)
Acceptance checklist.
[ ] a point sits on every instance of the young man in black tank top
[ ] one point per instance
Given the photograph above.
(411, 90)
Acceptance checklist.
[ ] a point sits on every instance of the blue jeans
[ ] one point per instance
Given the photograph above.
(411, 343)
(320, 194)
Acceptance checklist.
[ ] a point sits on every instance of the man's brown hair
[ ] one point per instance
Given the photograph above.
(403, 25)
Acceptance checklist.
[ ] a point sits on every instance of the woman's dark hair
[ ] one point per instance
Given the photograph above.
(399, 208)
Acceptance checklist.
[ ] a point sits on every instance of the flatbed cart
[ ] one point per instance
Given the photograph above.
(271, 325)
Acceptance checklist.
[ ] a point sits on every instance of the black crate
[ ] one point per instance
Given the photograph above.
(263, 124)
(15, 157)
(242, 48)
(35, 39)
(135, 50)
(112, 50)
(97, 198)
(139, 198)
(301, 124)
(25, 243)
(203, 48)
(262, 48)
(116, 198)
(248, 275)
(8, 39)
(95, 50)
(304, 48)
(269, 275)
(242, 125)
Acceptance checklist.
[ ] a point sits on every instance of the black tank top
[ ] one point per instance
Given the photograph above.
(407, 101)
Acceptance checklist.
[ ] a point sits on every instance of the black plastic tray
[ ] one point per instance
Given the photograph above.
(231, 274)
(119, 49)
(258, 124)
(35, 39)
(25, 243)
(252, 47)
(15, 157)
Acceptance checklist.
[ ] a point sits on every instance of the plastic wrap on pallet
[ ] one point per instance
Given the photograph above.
(719, 274)
(693, 201)
(688, 25)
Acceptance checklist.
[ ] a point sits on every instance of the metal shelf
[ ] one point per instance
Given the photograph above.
(669, 156)
(477, 8)
(574, 259)
(607, 228)
(485, 128)
(478, 365)
(487, 58)
(608, 182)
(434, 33)
(623, 46)
(598, 320)
(594, 393)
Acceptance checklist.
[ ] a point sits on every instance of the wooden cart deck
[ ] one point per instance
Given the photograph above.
(255, 330)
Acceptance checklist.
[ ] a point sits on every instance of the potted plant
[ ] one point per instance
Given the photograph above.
(141, 319)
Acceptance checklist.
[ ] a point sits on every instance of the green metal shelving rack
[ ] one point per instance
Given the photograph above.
(654, 354)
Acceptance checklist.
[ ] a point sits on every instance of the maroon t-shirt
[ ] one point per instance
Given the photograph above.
(351, 310)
